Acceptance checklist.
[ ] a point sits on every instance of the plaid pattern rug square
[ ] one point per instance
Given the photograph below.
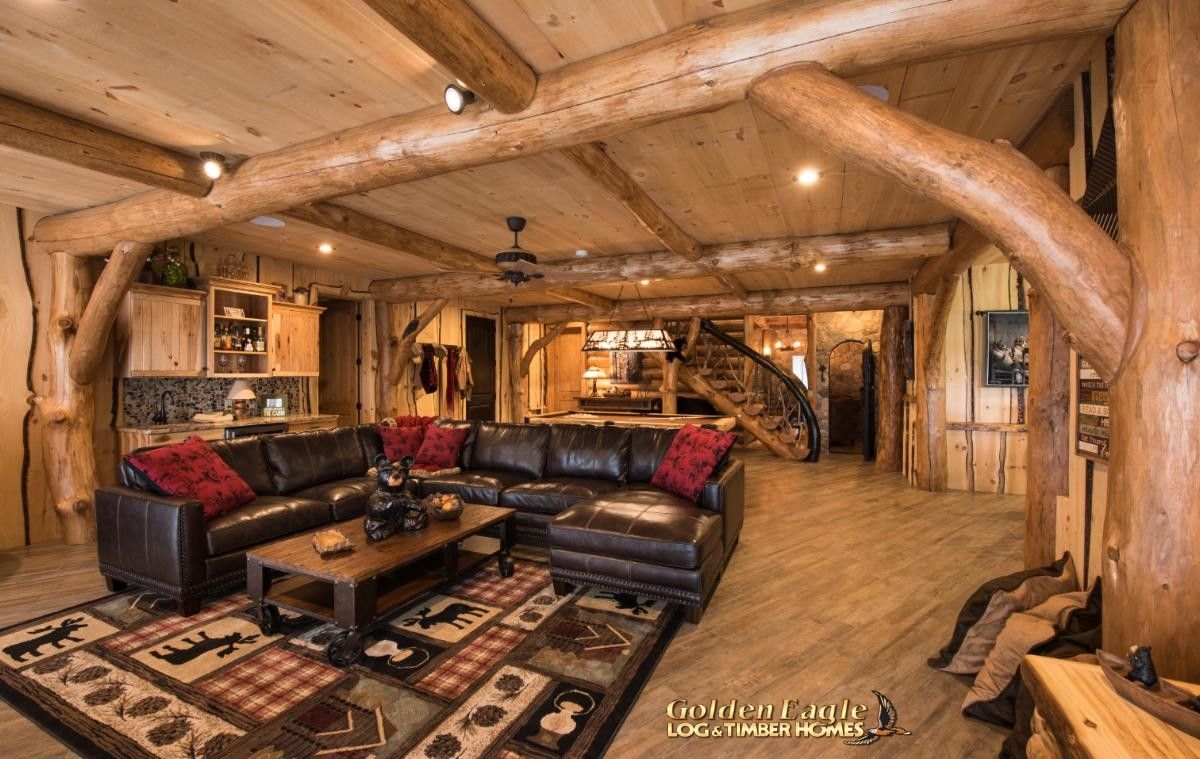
(517, 672)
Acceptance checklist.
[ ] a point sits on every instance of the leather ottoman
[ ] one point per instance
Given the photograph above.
(642, 541)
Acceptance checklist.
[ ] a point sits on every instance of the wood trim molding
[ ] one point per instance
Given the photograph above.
(694, 69)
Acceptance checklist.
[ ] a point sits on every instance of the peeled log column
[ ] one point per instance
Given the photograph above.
(96, 322)
(516, 383)
(890, 433)
(386, 403)
(1048, 416)
(1151, 557)
(1051, 241)
(930, 390)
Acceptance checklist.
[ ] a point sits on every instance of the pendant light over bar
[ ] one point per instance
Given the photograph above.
(643, 340)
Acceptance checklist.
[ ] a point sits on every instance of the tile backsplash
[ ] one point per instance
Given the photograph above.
(190, 395)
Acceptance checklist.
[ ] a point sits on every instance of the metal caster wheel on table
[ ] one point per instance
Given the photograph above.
(344, 649)
(269, 621)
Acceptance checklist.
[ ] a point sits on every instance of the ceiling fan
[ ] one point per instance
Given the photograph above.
(516, 263)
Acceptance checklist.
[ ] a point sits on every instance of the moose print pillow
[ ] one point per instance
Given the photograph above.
(693, 456)
(192, 469)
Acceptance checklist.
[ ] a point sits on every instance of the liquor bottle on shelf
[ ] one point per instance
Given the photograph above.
(260, 342)
(218, 338)
(247, 342)
(228, 339)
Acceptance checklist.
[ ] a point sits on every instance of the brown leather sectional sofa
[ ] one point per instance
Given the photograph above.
(584, 489)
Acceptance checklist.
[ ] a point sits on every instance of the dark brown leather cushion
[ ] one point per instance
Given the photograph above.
(479, 486)
(588, 451)
(648, 446)
(305, 459)
(553, 495)
(245, 456)
(347, 498)
(266, 518)
(640, 524)
(372, 445)
(511, 447)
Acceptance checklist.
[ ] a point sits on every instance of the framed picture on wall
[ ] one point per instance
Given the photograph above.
(1006, 348)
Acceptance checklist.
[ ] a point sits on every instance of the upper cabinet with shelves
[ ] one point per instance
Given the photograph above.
(239, 328)
(159, 332)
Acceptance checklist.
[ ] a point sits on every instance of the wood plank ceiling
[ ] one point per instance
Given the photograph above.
(244, 78)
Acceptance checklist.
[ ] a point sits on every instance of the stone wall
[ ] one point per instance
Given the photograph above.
(826, 331)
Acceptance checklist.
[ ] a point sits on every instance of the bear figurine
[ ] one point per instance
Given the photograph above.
(392, 508)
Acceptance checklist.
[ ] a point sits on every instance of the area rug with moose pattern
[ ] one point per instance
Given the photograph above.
(487, 666)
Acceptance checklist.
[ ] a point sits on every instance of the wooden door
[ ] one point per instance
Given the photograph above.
(479, 341)
(341, 365)
(564, 370)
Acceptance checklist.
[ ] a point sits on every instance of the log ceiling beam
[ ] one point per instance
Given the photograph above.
(52, 135)
(767, 302)
(360, 226)
(582, 297)
(1050, 240)
(781, 254)
(698, 68)
(594, 161)
(451, 33)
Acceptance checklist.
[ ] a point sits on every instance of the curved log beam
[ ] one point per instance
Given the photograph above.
(1000, 192)
(701, 67)
(91, 338)
(537, 346)
(404, 345)
(456, 37)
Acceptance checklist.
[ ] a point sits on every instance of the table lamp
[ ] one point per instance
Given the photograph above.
(240, 394)
(594, 373)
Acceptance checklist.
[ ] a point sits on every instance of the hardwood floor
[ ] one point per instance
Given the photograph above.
(845, 581)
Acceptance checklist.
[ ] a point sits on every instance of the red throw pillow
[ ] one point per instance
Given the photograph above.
(192, 469)
(692, 457)
(441, 447)
(408, 421)
(399, 442)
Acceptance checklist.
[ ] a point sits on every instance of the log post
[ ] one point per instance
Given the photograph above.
(77, 335)
(385, 341)
(1151, 562)
(930, 390)
(1047, 414)
(516, 383)
(890, 428)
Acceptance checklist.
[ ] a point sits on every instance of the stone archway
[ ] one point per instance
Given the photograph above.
(845, 397)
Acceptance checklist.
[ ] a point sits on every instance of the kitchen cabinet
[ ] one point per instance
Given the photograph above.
(159, 332)
(296, 340)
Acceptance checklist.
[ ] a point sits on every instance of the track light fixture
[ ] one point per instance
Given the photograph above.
(457, 98)
(214, 165)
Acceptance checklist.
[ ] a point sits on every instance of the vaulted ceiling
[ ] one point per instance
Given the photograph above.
(243, 78)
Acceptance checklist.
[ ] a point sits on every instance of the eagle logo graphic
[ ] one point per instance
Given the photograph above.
(887, 723)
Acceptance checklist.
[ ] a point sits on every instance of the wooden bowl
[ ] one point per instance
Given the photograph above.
(435, 505)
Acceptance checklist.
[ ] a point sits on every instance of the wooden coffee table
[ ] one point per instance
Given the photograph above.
(356, 589)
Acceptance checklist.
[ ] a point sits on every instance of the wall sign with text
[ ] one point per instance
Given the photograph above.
(1091, 419)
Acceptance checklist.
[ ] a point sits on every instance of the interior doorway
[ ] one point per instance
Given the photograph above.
(564, 371)
(846, 397)
(479, 340)
(341, 362)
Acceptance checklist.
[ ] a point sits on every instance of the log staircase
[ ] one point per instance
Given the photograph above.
(770, 404)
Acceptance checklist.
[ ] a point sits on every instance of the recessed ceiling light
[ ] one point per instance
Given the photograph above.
(808, 177)
(268, 221)
(644, 282)
(214, 165)
(325, 247)
(820, 267)
(457, 98)
(876, 91)
(581, 253)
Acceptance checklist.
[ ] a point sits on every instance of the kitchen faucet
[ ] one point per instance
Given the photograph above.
(161, 416)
